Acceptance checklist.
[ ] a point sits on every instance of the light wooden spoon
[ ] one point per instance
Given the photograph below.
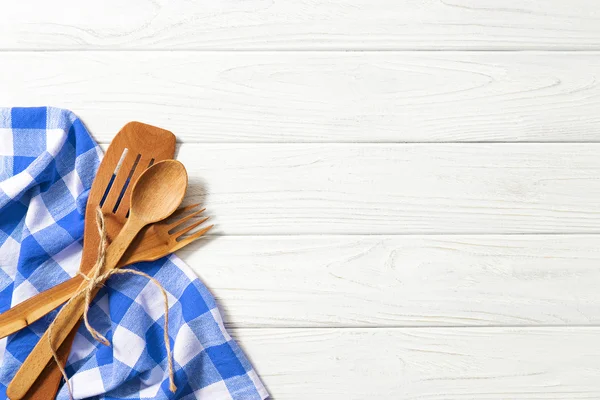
(156, 195)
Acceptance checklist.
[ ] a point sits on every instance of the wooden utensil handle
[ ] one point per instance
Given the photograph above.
(41, 353)
(66, 319)
(47, 384)
(34, 308)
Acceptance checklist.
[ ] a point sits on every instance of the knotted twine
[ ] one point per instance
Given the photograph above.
(97, 279)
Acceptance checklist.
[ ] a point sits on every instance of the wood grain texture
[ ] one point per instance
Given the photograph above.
(396, 188)
(302, 24)
(349, 263)
(427, 364)
(374, 281)
(318, 97)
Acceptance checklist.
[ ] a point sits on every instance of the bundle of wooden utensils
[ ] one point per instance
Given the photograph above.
(136, 188)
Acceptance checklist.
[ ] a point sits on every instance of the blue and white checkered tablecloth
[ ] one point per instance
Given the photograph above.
(47, 164)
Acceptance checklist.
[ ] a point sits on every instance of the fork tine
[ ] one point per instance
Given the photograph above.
(181, 210)
(192, 238)
(177, 223)
(189, 228)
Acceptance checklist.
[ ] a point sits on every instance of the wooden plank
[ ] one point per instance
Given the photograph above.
(318, 97)
(353, 281)
(302, 24)
(442, 363)
(396, 189)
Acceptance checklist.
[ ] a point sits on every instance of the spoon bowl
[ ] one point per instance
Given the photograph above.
(158, 192)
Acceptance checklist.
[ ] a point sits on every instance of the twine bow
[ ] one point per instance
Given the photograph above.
(97, 279)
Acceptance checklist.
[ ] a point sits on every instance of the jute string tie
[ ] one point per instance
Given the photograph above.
(96, 280)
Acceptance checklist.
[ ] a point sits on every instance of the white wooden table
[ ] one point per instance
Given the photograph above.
(406, 193)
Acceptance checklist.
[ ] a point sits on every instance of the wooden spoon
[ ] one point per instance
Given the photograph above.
(156, 195)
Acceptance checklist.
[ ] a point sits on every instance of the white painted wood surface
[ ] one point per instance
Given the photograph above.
(319, 96)
(302, 24)
(351, 264)
(402, 281)
(397, 188)
(442, 363)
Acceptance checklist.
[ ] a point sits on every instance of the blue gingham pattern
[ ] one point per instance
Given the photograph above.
(47, 164)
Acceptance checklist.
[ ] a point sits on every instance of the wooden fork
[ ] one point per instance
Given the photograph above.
(166, 237)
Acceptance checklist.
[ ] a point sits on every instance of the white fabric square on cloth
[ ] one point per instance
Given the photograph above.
(73, 183)
(24, 291)
(54, 140)
(9, 255)
(69, 258)
(152, 301)
(16, 184)
(217, 390)
(128, 347)
(87, 383)
(187, 345)
(150, 387)
(6, 142)
(81, 348)
(38, 217)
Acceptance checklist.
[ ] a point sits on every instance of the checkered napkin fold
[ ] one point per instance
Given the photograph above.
(47, 165)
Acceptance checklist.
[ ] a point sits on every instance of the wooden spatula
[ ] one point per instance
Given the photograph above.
(123, 154)
(155, 195)
(136, 147)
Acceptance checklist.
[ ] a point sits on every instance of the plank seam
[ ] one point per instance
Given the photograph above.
(313, 50)
(468, 234)
(416, 327)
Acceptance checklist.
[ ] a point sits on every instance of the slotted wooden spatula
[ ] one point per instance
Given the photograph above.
(134, 148)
